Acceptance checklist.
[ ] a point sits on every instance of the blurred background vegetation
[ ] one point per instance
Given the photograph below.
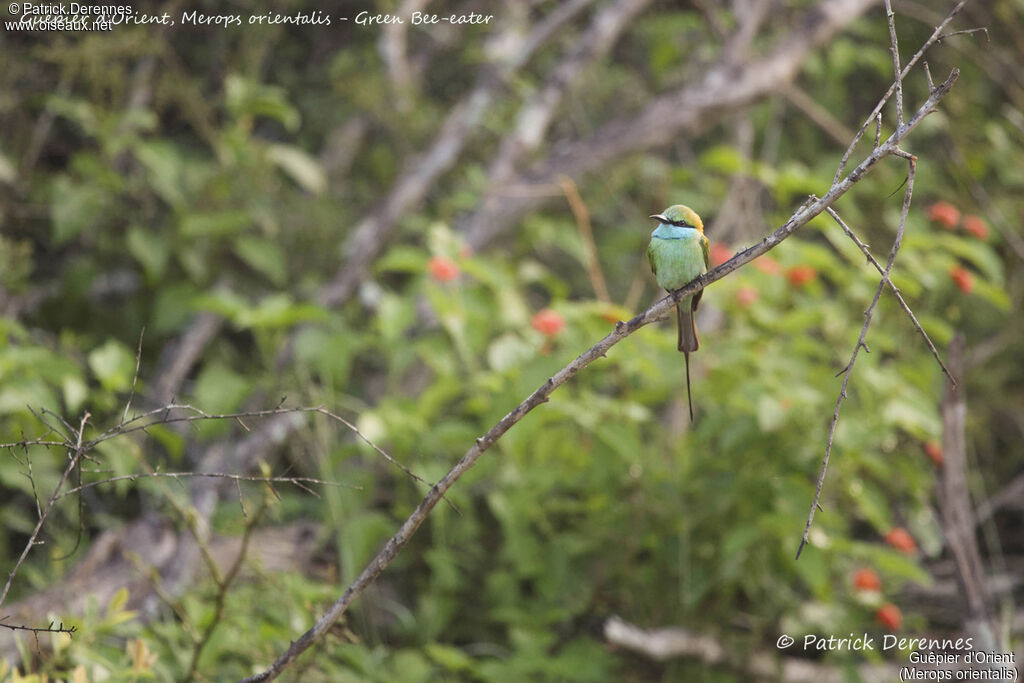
(405, 225)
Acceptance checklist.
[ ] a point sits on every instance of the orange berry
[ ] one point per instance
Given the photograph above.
(719, 254)
(866, 580)
(962, 278)
(933, 449)
(442, 269)
(945, 214)
(799, 276)
(746, 296)
(548, 322)
(900, 538)
(977, 226)
(889, 616)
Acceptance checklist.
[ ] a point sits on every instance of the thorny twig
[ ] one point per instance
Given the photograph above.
(79, 449)
(895, 290)
(299, 482)
(848, 370)
(36, 630)
(897, 83)
(897, 88)
(76, 457)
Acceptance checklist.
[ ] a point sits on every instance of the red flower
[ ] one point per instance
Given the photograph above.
(933, 449)
(719, 254)
(799, 276)
(548, 322)
(746, 296)
(977, 226)
(766, 264)
(945, 214)
(443, 269)
(962, 278)
(900, 538)
(866, 580)
(889, 616)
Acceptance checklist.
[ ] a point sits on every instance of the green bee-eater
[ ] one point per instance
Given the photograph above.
(678, 253)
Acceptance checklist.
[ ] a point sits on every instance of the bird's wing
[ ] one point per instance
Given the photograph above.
(650, 258)
(705, 246)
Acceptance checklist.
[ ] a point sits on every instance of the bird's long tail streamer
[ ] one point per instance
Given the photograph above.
(688, 399)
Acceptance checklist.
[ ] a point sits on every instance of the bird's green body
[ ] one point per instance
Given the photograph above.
(678, 253)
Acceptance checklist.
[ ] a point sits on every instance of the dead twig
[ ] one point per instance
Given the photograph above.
(895, 290)
(582, 215)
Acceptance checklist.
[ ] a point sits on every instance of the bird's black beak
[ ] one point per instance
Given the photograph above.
(659, 217)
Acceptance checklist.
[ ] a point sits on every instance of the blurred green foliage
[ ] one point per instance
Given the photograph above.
(213, 197)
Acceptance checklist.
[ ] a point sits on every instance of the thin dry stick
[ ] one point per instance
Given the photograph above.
(144, 421)
(967, 32)
(296, 481)
(36, 630)
(819, 115)
(848, 370)
(895, 290)
(80, 449)
(77, 452)
(897, 86)
(135, 377)
(352, 427)
(894, 47)
(394, 545)
(156, 582)
(223, 585)
(582, 215)
(898, 83)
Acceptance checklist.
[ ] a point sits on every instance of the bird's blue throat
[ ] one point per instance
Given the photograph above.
(674, 232)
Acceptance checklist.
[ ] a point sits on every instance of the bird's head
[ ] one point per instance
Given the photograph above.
(680, 216)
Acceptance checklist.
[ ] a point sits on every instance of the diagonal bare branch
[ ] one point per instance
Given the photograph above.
(895, 290)
(848, 370)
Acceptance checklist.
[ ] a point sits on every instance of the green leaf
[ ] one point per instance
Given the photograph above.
(722, 159)
(219, 389)
(301, 167)
(996, 296)
(75, 208)
(150, 250)
(770, 413)
(117, 601)
(509, 351)
(275, 311)
(279, 311)
(979, 254)
(264, 256)
(164, 169)
(17, 393)
(214, 223)
(75, 392)
(403, 259)
(8, 173)
(246, 98)
(113, 364)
